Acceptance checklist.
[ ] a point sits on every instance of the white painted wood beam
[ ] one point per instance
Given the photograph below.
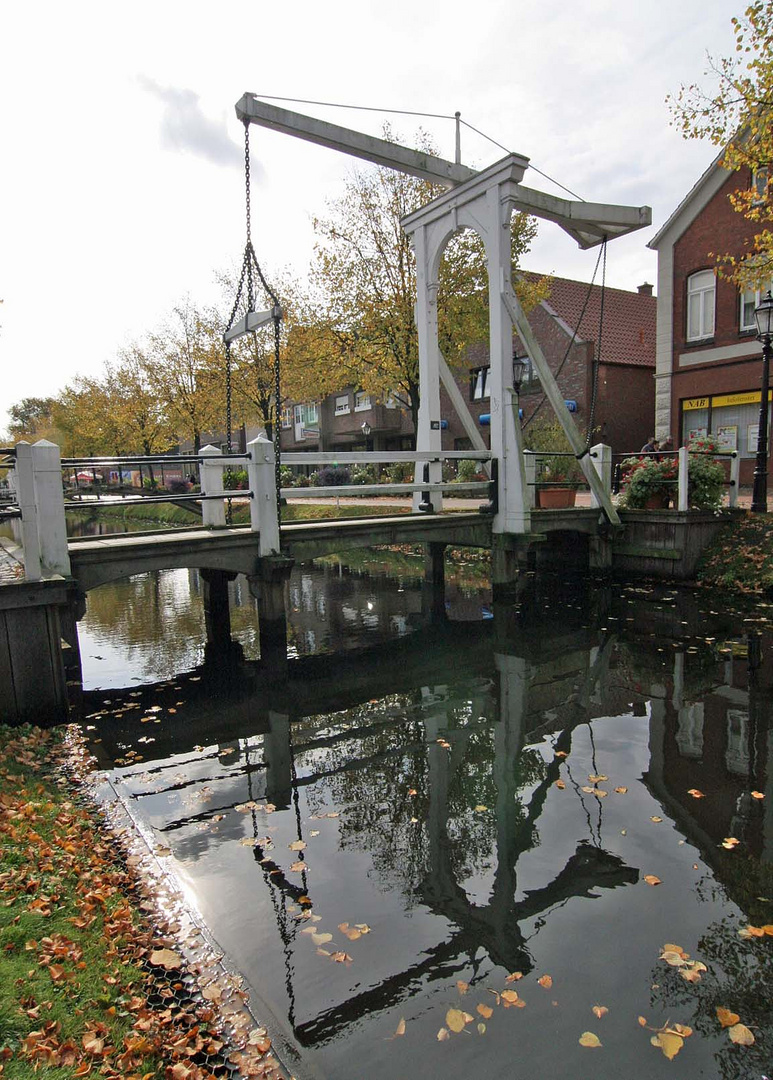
(587, 223)
(379, 151)
(253, 320)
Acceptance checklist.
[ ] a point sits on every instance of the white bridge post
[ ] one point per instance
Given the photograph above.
(684, 474)
(601, 457)
(264, 516)
(212, 511)
(49, 498)
(735, 479)
(25, 492)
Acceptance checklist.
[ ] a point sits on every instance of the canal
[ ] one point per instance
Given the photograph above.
(523, 840)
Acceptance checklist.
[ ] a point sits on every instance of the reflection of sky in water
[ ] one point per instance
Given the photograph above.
(452, 840)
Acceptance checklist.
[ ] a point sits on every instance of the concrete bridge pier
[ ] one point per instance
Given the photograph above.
(267, 585)
(433, 601)
(217, 616)
(512, 554)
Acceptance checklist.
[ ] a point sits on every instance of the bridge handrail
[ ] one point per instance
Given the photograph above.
(152, 459)
(381, 457)
(137, 500)
(332, 490)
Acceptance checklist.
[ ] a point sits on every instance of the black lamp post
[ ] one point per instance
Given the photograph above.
(519, 371)
(763, 316)
(366, 430)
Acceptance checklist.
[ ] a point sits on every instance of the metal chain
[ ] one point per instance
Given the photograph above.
(597, 357)
(277, 417)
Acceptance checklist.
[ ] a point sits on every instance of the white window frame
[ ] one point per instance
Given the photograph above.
(342, 405)
(746, 296)
(480, 383)
(760, 181)
(701, 287)
(287, 417)
(362, 401)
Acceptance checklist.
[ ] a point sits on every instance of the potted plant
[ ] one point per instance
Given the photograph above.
(558, 471)
(648, 483)
(706, 475)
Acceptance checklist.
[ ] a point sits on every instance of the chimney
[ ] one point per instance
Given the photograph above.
(645, 289)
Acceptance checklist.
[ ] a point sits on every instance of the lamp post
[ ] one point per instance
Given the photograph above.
(519, 372)
(763, 316)
(366, 430)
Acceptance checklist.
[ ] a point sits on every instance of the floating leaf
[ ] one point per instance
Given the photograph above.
(509, 997)
(758, 795)
(321, 939)
(455, 1020)
(621, 790)
(642, 1021)
(297, 845)
(751, 931)
(726, 1017)
(599, 1010)
(740, 1035)
(342, 958)
(589, 1039)
(480, 808)
(560, 784)
(561, 753)
(300, 866)
(597, 778)
(442, 1035)
(656, 819)
(462, 987)
(669, 1042)
(651, 879)
(484, 1010)
(680, 1029)
(730, 842)
(545, 981)
(696, 794)
(400, 1029)
(514, 976)
(481, 1028)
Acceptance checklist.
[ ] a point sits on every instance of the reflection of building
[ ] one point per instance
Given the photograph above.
(708, 358)
(567, 327)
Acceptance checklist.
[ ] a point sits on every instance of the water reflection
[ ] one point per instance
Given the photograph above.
(442, 791)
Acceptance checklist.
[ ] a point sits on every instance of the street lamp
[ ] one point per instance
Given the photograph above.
(366, 430)
(519, 372)
(763, 316)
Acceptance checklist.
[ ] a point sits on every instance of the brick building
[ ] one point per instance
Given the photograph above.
(708, 369)
(567, 328)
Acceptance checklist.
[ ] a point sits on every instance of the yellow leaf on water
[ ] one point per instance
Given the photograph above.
(514, 976)
(740, 1035)
(442, 1035)
(462, 987)
(758, 795)
(509, 997)
(455, 1020)
(642, 1021)
(596, 778)
(299, 866)
(589, 1039)
(751, 931)
(651, 879)
(669, 1042)
(730, 842)
(768, 928)
(656, 819)
(726, 1017)
(400, 1029)
(600, 1010)
(297, 845)
(480, 808)
(545, 981)
(680, 1029)
(341, 957)
(481, 1028)
(560, 785)
(485, 1010)
(696, 794)
(561, 753)
(321, 939)
(621, 790)
(673, 958)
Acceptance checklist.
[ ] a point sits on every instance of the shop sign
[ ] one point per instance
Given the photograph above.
(695, 403)
(751, 398)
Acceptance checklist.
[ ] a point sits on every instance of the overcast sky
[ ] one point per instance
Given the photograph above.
(121, 187)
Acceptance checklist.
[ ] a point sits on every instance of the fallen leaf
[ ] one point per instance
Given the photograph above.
(680, 1029)
(342, 958)
(561, 753)
(600, 1010)
(442, 1035)
(321, 939)
(455, 1020)
(589, 1039)
(726, 1017)
(297, 845)
(300, 866)
(669, 1042)
(560, 785)
(545, 981)
(484, 1010)
(462, 987)
(751, 931)
(642, 1021)
(166, 959)
(509, 997)
(656, 819)
(400, 1029)
(621, 790)
(652, 880)
(730, 842)
(481, 1028)
(480, 808)
(514, 976)
(696, 794)
(597, 778)
(350, 931)
(758, 795)
(740, 1035)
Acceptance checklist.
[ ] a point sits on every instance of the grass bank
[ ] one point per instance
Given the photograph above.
(741, 556)
(89, 983)
(176, 516)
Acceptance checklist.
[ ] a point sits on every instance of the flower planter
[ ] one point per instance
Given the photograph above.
(555, 498)
(657, 502)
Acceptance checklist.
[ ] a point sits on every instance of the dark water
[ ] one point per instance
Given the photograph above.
(446, 784)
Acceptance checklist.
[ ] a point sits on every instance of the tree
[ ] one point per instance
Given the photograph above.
(356, 324)
(737, 117)
(31, 418)
(184, 365)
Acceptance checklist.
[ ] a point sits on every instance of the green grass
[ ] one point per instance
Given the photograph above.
(169, 514)
(75, 979)
(741, 556)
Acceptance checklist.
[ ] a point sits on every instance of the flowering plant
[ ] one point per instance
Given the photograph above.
(706, 474)
(646, 478)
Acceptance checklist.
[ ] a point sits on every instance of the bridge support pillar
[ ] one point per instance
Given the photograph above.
(434, 590)
(511, 555)
(217, 614)
(268, 586)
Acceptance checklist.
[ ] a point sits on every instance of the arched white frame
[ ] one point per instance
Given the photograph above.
(701, 298)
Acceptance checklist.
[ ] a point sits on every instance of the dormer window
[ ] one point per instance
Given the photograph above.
(760, 179)
(750, 299)
(701, 294)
